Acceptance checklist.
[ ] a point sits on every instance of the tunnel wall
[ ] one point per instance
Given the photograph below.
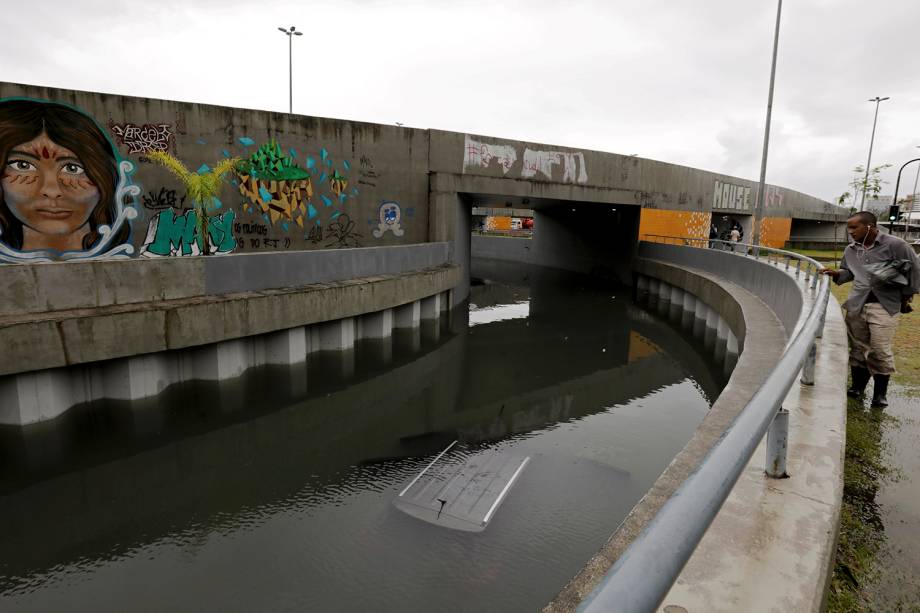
(771, 284)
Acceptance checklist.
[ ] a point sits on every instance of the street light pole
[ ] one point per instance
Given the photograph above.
(862, 202)
(913, 200)
(897, 185)
(291, 34)
(759, 202)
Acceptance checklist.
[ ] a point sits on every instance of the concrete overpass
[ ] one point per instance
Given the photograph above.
(326, 232)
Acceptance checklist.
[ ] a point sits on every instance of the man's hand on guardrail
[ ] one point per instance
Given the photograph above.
(830, 272)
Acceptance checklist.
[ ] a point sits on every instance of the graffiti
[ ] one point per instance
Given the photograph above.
(177, 235)
(573, 165)
(774, 197)
(481, 155)
(368, 175)
(389, 215)
(731, 196)
(94, 199)
(270, 243)
(477, 154)
(342, 232)
(338, 183)
(250, 229)
(277, 185)
(625, 163)
(646, 199)
(316, 234)
(143, 139)
(164, 199)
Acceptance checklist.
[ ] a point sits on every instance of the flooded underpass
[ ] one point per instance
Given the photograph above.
(275, 492)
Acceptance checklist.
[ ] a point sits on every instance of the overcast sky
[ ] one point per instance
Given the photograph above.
(674, 80)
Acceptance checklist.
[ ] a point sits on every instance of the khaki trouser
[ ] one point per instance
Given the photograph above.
(871, 331)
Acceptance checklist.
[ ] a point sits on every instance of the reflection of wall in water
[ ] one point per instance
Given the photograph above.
(203, 475)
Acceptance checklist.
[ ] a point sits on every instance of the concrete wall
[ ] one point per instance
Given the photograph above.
(305, 183)
(771, 284)
(336, 183)
(50, 287)
(809, 230)
(509, 249)
(137, 350)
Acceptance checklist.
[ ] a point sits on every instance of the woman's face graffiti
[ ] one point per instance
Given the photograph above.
(46, 187)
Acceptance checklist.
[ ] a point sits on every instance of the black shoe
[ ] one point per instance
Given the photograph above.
(860, 378)
(880, 392)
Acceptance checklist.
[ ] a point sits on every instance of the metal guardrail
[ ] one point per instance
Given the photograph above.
(642, 576)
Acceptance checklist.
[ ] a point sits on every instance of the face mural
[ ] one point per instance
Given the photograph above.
(60, 185)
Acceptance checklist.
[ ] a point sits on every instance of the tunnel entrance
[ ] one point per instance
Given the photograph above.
(725, 223)
(586, 237)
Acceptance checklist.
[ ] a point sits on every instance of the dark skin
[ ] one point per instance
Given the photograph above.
(863, 234)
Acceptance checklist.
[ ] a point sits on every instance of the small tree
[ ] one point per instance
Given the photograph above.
(201, 187)
(870, 185)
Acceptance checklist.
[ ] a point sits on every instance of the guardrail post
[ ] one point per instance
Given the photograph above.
(798, 268)
(820, 332)
(808, 369)
(777, 437)
(787, 262)
(814, 280)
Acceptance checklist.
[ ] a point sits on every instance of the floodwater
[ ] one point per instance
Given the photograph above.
(897, 586)
(275, 492)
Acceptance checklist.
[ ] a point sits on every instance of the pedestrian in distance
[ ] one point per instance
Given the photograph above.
(885, 273)
(735, 237)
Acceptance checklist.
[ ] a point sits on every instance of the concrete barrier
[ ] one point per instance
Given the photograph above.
(148, 324)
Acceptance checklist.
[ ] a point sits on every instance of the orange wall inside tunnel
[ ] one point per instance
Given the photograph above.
(673, 223)
(774, 231)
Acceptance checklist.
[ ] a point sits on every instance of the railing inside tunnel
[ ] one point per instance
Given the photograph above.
(642, 576)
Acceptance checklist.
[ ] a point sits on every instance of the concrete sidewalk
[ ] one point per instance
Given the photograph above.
(771, 547)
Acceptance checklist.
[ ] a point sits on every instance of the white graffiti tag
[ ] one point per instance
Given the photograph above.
(543, 162)
(774, 197)
(143, 139)
(481, 155)
(731, 196)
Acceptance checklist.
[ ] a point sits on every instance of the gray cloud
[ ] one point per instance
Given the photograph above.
(683, 82)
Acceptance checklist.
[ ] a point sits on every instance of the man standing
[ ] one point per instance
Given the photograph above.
(735, 237)
(873, 306)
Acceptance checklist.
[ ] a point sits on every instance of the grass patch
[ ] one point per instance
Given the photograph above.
(820, 254)
(862, 533)
(867, 466)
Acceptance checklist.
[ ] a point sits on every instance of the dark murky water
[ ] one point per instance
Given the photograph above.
(274, 492)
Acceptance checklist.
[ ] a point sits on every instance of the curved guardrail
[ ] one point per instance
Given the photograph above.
(642, 576)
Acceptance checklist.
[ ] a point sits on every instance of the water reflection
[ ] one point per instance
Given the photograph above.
(273, 492)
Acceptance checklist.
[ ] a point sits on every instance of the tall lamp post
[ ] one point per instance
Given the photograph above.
(759, 202)
(291, 34)
(862, 202)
